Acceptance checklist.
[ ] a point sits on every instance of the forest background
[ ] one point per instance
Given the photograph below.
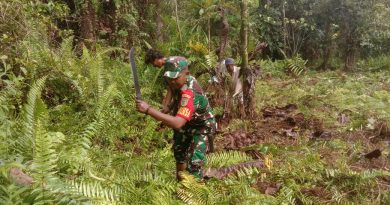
(319, 120)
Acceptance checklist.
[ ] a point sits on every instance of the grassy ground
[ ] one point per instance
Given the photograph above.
(320, 158)
(323, 158)
(313, 136)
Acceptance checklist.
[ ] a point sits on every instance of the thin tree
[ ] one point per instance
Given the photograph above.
(177, 21)
(244, 55)
(224, 32)
(159, 21)
(109, 19)
(88, 24)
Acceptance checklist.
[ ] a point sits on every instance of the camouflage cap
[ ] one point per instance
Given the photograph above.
(174, 71)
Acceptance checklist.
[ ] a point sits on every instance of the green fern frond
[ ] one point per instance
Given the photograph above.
(75, 84)
(47, 188)
(103, 102)
(3, 98)
(97, 192)
(86, 135)
(221, 159)
(352, 178)
(296, 65)
(56, 192)
(211, 60)
(105, 99)
(31, 111)
(138, 175)
(77, 154)
(286, 196)
(247, 171)
(45, 156)
(193, 192)
(86, 57)
(100, 76)
(12, 194)
(105, 51)
(144, 183)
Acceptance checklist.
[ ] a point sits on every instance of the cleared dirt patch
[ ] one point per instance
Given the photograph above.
(279, 125)
(269, 188)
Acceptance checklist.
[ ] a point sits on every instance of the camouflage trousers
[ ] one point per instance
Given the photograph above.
(190, 147)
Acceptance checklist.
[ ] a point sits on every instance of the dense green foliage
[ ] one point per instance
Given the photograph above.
(68, 120)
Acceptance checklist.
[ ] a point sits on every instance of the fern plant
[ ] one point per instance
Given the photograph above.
(97, 192)
(296, 65)
(349, 181)
(12, 194)
(220, 159)
(33, 108)
(194, 193)
(38, 149)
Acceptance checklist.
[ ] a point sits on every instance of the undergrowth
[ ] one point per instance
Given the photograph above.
(68, 120)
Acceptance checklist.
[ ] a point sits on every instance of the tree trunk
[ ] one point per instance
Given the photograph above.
(109, 20)
(142, 7)
(350, 54)
(223, 37)
(262, 4)
(71, 22)
(328, 47)
(135, 34)
(177, 22)
(244, 56)
(88, 25)
(159, 22)
(244, 34)
(350, 43)
(284, 28)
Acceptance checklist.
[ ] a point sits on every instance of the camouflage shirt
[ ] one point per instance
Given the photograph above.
(193, 105)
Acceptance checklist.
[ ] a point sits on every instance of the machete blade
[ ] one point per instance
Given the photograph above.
(135, 74)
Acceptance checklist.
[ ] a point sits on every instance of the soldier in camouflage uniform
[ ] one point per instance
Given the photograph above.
(155, 58)
(193, 121)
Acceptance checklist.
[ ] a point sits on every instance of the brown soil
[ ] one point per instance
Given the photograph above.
(319, 192)
(278, 125)
(285, 125)
(269, 188)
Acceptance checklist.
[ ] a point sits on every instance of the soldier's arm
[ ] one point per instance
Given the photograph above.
(174, 122)
(183, 115)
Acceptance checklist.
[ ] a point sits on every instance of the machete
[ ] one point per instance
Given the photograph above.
(135, 75)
